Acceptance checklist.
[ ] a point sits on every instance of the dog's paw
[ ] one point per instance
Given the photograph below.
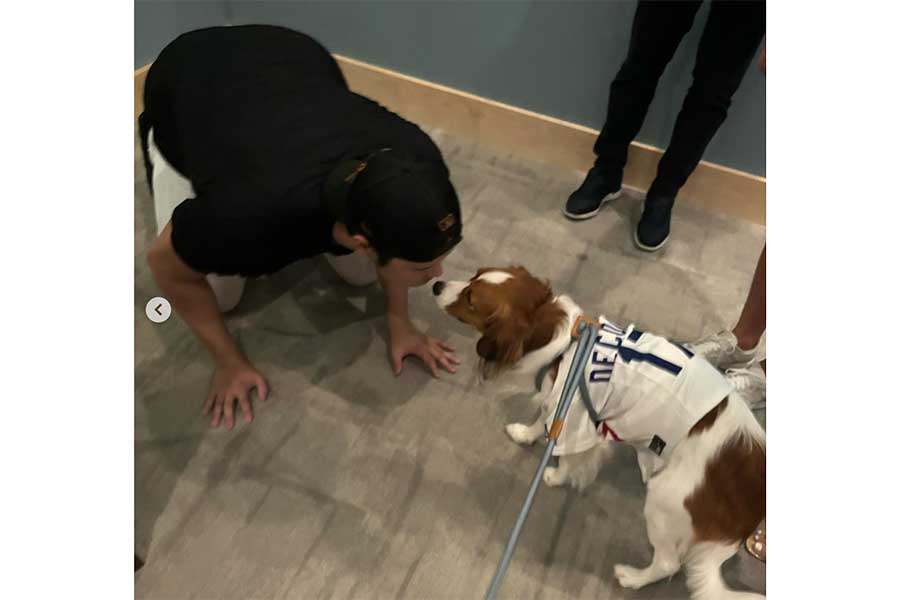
(629, 577)
(554, 477)
(519, 433)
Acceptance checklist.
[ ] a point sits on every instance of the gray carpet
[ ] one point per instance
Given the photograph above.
(351, 483)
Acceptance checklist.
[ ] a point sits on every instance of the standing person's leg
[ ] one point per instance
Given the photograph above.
(730, 40)
(752, 323)
(656, 31)
(170, 188)
(738, 347)
(747, 334)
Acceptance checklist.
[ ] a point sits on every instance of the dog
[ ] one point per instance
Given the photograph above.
(700, 450)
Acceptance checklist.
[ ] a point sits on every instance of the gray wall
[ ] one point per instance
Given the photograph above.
(555, 58)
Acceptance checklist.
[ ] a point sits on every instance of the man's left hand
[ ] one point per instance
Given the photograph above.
(407, 340)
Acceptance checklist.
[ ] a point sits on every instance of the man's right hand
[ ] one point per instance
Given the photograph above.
(232, 383)
(195, 302)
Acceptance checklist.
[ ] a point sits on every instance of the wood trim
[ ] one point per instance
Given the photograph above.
(140, 76)
(537, 137)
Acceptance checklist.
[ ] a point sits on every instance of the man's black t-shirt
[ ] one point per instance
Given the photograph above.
(256, 117)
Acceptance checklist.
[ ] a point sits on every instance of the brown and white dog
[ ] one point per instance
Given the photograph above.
(706, 499)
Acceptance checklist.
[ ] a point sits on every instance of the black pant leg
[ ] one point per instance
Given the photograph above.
(656, 32)
(730, 40)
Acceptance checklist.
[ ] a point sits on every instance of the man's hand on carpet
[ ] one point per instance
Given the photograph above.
(407, 340)
(232, 383)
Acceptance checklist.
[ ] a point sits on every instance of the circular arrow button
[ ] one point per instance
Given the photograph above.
(158, 309)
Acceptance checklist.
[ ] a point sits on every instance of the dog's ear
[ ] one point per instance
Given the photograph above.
(547, 319)
(501, 346)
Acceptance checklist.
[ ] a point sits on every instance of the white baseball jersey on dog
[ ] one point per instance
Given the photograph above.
(646, 391)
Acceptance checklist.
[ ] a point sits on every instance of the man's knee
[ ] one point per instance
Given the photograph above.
(227, 289)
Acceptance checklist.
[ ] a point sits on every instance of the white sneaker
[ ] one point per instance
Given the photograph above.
(750, 384)
(722, 352)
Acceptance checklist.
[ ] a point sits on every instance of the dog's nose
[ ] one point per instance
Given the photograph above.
(438, 287)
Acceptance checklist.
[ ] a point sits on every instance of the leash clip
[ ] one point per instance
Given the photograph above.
(581, 323)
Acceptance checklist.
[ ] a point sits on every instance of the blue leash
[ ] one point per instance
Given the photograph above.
(587, 333)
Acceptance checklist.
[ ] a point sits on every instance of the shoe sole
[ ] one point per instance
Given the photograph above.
(593, 213)
(645, 247)
(744, 364)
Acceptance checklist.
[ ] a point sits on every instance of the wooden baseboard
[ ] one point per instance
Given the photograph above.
(140, 76)
(535, 136)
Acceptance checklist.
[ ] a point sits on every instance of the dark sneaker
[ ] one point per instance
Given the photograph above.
(652, 231)
(596, 190)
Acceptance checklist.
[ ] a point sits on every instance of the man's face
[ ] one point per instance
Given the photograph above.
(412, 274)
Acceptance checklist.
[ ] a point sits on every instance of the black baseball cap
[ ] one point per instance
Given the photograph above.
(405, 206)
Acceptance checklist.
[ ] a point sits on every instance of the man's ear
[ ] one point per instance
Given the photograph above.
(501, 346)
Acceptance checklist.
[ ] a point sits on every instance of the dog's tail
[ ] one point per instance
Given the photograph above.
(703, 566)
